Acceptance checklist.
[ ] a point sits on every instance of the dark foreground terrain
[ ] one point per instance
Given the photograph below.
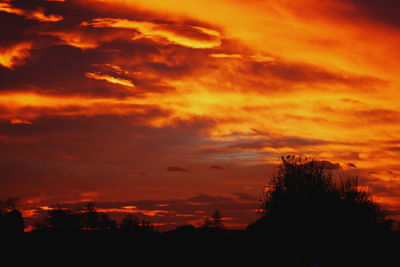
(204, 246)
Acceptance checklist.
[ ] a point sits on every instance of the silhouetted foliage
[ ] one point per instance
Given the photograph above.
(304, 194)
(146, 226)
(188, 228)
(8, 204)
(215, 222)
(91, 219)
(87, 218)
(11, 220)
(62, 219)
(130, 223)
(308, 212)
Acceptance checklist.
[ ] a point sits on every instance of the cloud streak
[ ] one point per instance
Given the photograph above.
(206, 38)
(110, 79)
(37, 14)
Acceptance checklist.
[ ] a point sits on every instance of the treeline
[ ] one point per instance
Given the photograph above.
(11, 220)
(88, 218)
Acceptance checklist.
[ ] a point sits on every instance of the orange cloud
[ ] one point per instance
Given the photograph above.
(226, 55)
(6, 7)
(110, 79)
(29, 106)
(30, 14)
(76, 39)
(86, 39)
(14, 55)
(153, 30)
(40, 16)
(19, 121)
(318, 34)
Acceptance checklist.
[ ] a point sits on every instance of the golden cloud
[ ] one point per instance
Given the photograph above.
(14, 55)
(37, 14)
(153, 30)
(110, 79)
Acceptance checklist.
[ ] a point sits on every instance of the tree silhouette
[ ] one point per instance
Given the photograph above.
(216, 221)
(130, 223)
(91, 219)
(87, 218)
(304, 192)
(11, 220)
(62, 219)
(304, 209)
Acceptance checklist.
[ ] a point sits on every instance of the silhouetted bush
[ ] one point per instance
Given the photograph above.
(307, 212)
(130, 223)
(11, 220)
(215, 222)
(304, 194)
(88, 218)
(62, 219)
(91, 219)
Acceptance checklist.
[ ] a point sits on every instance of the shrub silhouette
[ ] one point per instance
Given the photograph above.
(306, 211)
(11, 220)
(215, 223)
(62, 219)
(91, 219)
(87, 218)
(130, 223)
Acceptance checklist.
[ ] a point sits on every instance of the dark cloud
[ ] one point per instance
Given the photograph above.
(393, 148)
(327, 165)
(88, 136)
(176, 169)
(244, 196)
(381, 116)
(384, 11)
(349, 156)
(288, 72)
(217, 167)
(351, 165)
(277, 142)
(378, 186)
(351, 101)
(204, 198)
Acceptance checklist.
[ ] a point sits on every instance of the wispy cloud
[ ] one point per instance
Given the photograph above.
(37, 14)
(110, 79)
(206, 38)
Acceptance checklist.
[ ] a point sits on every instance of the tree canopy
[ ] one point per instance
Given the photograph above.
(304, 198)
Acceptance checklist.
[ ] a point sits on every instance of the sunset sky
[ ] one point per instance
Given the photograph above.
(171, 109)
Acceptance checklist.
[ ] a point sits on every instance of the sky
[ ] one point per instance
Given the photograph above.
(171, 109)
